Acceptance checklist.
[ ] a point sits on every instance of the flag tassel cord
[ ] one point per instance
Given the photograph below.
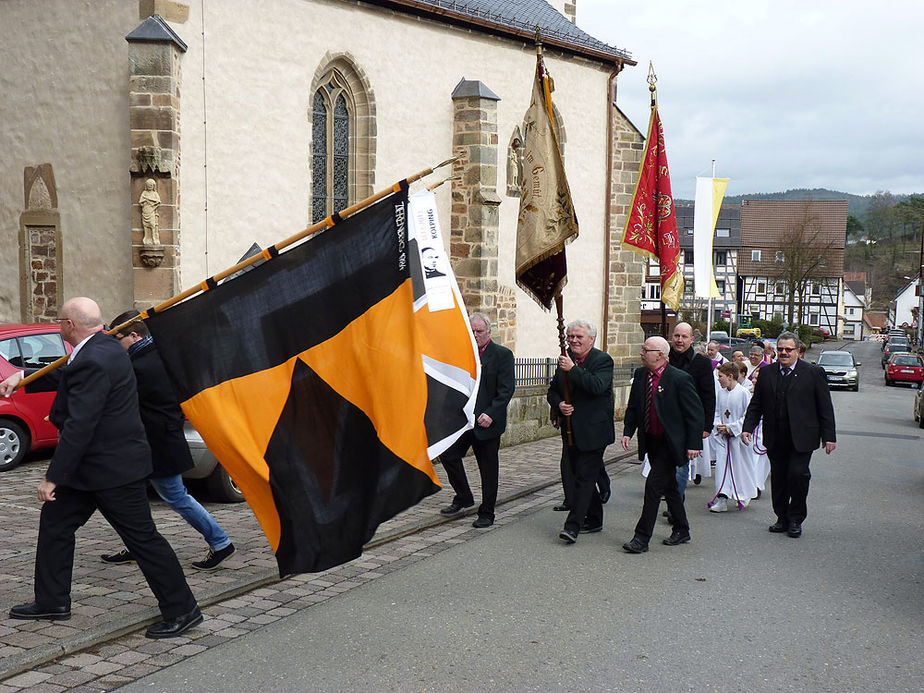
(267, 254)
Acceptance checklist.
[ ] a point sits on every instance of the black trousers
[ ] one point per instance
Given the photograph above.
(567, 476)
(661, 482)
(126, 508)
(486, 454)
(789, 481)
(585, 501)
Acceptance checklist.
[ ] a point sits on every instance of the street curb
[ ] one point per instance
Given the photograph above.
(37, 656)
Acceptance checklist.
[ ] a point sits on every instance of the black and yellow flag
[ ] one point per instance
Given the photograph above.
(310, 378)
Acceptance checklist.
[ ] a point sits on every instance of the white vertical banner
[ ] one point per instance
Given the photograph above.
(709, 195)
(437, 273)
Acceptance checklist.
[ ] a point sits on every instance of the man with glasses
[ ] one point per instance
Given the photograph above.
(582, 392)
(666, 413)
(793, 398)
(102, 461)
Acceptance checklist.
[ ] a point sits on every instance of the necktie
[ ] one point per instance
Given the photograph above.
(785, 372)
(648, 396)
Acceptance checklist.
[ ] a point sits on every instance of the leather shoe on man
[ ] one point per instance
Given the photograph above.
(482, 522)
(605, 495)
(635, 546)
(794, 530)
(587, 528)
(567, 536)
(455, 508)
(118, 558)
(677, 538)
(778, 527)
(563, 508)
(33, 612)
(172, 627)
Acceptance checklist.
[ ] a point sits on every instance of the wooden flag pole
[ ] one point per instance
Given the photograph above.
(559, 306)
(652, 78)
(265, 255)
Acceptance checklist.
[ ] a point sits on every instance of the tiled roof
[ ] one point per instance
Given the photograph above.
(875, 319)
(850, 276)
(514, 18)
(765, 222)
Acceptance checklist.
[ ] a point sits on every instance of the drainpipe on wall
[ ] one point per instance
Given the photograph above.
(607, 197)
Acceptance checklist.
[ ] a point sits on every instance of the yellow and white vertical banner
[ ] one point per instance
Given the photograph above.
(709, 195)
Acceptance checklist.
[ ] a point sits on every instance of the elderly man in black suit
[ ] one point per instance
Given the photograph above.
(666, 411)
(163, 424)
(494, 393)
(589, 413)
(101, 462)
(793, 398)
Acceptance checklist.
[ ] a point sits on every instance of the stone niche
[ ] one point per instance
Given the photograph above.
(41, 288)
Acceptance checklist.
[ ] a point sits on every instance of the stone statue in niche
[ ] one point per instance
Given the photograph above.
(515, 164)
(149, 202)
(152, 252)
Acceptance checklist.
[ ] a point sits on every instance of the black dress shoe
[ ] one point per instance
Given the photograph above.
(677, 538)
(698, 479)
(794, 530)
(32, 612)
(482, 522)
(172, 627)
(563, 508)
(777, 527)
(455, 508)
(605, 495)
(635, 546)
(567, 536)
(586, 528)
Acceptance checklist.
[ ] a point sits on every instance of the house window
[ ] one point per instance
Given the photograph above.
(654, 292)
(779, 256)
(688, 257)
(722, 233)
(721, 258)
(816, 289)
(755, 256)
(761, 287)
(342, 137)
(688, 286)
(720, 284)
(690, 232)
(779, 289)
(813, 318)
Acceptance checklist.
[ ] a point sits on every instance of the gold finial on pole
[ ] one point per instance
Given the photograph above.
(538, 40)
(652, 78)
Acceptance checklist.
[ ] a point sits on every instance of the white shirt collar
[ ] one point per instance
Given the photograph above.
(77, 348)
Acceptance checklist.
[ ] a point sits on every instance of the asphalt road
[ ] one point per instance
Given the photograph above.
(738, 608)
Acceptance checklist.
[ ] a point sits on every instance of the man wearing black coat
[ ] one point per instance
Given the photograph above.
(589, 376)
(699, 368)
(793, 398)
(494, 393)
(665, 411)
(163, 425)
(102, 461)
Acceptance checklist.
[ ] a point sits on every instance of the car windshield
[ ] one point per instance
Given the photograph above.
(895, 342)
(906, 361)
(835, 360)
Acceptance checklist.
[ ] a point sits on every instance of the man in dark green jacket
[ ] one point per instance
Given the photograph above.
(666, 411)
(589, 413)
(494, 393)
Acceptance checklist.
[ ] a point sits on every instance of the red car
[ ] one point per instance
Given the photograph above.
(904, 368)
(22, 416)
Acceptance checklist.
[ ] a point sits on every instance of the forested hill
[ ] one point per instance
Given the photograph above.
(857, 205)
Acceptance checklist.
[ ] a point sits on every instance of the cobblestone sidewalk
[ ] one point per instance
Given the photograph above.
(102, 646)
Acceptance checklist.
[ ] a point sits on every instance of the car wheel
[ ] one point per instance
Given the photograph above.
(14, 444)
(856, 388)
(222, 488)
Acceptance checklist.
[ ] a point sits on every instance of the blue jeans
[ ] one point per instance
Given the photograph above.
(173, 491)
(683, 476)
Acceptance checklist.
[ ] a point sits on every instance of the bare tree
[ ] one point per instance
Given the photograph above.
(802, 255)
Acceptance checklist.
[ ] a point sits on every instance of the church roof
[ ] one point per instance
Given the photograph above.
(514, 19)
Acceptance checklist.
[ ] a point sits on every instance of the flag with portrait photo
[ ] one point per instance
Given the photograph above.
(651, 227)
(546, 221)
(320, 388)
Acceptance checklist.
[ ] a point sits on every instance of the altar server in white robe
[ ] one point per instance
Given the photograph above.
(734, 466)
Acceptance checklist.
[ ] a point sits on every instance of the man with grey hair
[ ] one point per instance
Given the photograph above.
(666, 412)
(581, 391)
(494, 393)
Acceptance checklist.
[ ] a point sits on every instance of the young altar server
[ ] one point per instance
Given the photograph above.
(734, 465)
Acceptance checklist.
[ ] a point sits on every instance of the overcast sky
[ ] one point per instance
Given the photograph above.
(783, 94)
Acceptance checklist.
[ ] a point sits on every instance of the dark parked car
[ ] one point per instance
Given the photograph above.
(840, 369)
(730, 345)
(918, 410)
(894, 346)
(904, 368)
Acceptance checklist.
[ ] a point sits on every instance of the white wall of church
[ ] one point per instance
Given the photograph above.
(254, 117)
(64, 87)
